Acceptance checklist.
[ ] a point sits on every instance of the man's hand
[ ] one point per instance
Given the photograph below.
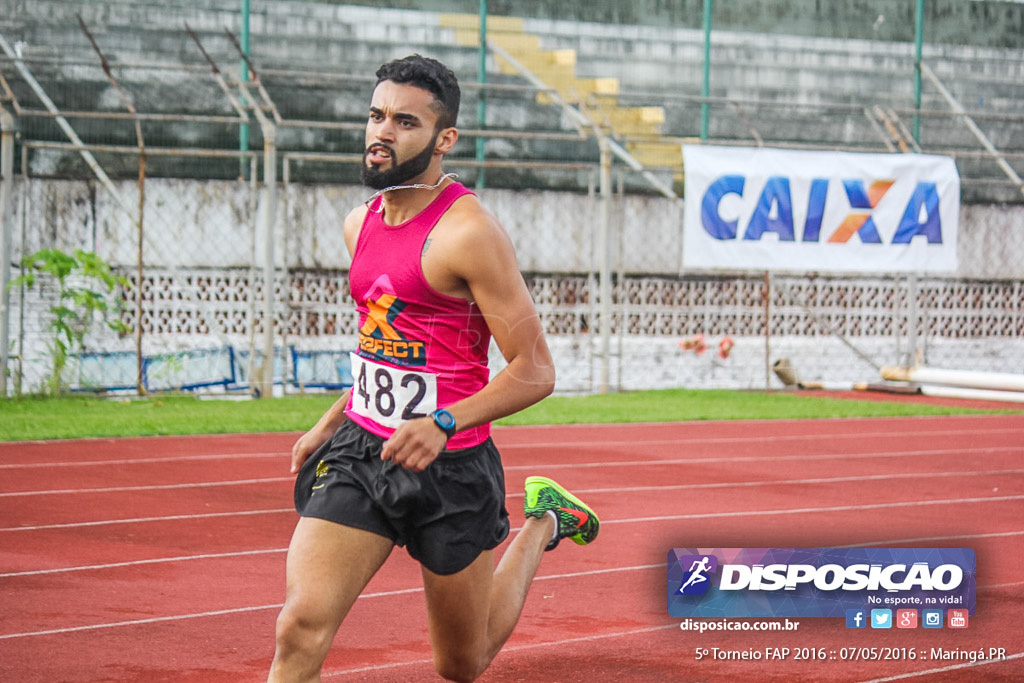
(307, 445)
(415, 444)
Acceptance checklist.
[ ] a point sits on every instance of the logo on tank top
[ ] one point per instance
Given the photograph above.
(378, 337)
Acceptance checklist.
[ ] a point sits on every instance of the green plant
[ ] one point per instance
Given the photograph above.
(86, 286)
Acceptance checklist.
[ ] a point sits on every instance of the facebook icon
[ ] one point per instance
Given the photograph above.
(856, 618)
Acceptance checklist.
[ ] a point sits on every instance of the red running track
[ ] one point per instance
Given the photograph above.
(162, 559)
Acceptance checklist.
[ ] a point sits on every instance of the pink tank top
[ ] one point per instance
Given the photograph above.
(419, 349)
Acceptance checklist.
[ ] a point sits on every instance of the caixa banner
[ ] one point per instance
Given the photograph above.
(817, 582)
(775, 209)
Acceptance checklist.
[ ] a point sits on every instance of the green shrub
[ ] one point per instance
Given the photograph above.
(87, 289)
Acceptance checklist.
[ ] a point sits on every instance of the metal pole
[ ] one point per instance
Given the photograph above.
(270, 213)
(911, 357)
(606, 261)
(140, 384)
(481, 103)
(705, 88)
(767, 329)
(265, 385)
(243, 76)
(6, 228)
(24, 208)
(918, 40)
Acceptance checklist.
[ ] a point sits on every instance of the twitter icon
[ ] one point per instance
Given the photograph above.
(881, 618)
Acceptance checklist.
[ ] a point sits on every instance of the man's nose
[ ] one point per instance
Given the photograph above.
(385, 130)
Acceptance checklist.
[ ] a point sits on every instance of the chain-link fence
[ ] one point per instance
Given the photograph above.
(220, 198)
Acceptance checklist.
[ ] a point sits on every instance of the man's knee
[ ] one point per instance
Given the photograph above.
(300, 631)
(462, 667)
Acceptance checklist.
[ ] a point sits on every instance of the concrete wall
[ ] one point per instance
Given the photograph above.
(205, 224)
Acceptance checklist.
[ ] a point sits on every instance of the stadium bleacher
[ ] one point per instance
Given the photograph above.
(640, 83)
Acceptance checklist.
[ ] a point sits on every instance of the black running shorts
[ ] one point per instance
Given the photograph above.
(445, 515)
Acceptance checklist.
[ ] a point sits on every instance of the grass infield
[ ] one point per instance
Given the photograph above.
(80, 416)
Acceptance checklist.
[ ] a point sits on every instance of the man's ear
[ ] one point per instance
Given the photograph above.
(446, 140)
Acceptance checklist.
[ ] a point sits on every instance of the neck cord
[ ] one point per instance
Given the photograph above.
(416, 186)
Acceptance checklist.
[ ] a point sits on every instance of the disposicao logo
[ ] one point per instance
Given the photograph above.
(822, 582)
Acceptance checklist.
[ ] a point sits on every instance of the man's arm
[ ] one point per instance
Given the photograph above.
(320, 432)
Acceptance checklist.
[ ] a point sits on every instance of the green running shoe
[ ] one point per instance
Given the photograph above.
(576, 520)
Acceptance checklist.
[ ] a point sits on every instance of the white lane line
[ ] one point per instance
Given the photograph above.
(924, 539)
(769, 458)
(143, 461)
(632, 444)
(136, 563)
(772, 438)
(152, 487)
(788, 482)
(623, 489)
(139, 520)
(257, 608)
(138, 622)
(627, 463)
(510, 648)
(366, 596)
(214, 556)
(703, 515)
(802, 511)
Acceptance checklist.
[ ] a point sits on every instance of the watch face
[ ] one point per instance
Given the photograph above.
(445, 419)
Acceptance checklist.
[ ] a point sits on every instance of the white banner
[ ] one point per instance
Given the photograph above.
(774, 209)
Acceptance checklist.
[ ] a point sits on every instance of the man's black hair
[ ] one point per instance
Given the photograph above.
(430, 75)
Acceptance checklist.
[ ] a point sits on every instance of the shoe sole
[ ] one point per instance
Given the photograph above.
(563, 492)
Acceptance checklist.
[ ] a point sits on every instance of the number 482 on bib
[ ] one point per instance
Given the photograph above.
(390, 396)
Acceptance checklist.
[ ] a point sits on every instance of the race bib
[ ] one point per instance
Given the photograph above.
(390, 396)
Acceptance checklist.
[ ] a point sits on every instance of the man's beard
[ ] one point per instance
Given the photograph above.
(379, 178)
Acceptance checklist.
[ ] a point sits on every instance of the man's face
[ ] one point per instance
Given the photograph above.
(401, 135)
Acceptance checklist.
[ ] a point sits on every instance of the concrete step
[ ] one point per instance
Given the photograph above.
(557, 69)
(630, 120)
(660, 154)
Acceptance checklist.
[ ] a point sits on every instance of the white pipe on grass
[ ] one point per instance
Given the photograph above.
(999, 381)
(973, 394)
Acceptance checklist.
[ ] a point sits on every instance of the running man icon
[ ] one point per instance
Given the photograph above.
(697, 570)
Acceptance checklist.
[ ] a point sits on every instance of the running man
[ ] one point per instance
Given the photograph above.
(405, 457)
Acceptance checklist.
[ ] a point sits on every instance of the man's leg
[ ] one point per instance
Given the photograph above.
(472, 613)
(328, 567)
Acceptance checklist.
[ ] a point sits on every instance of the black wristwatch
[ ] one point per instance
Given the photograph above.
(445, 421)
